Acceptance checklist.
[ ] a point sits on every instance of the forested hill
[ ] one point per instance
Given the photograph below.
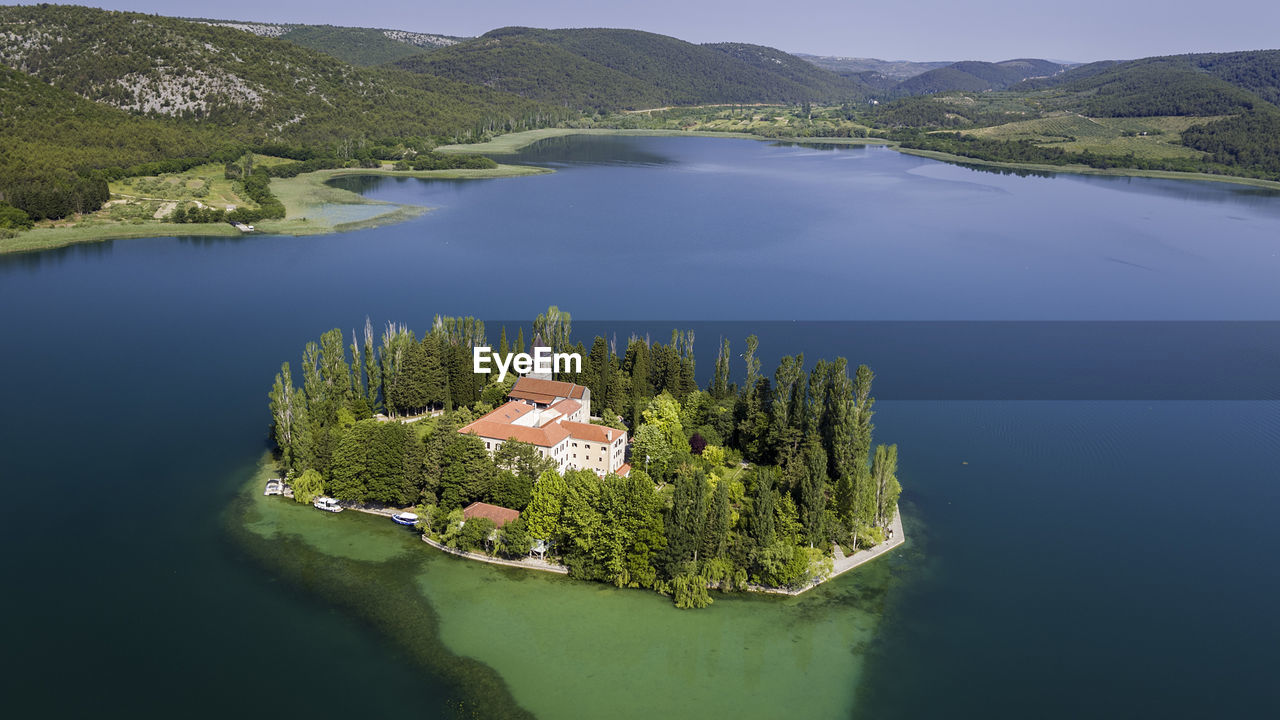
(1200, 84)
(977, 76)
(248, 87)
(628, 69)
(898, 69)
(355, 45)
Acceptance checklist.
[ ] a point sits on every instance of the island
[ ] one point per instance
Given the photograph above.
(619, 470)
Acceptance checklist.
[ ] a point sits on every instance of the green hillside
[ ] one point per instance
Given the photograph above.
(358, 46)
(256, 89)
(355, 45)
(629, 69)
(829, 85)
(898, 69)
(1199, 84)
(537, 70)
(977, 76)
(53, 139)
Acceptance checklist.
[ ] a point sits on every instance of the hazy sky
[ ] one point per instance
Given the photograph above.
(1080, 30)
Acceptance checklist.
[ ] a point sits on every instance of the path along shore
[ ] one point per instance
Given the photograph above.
(841, 564)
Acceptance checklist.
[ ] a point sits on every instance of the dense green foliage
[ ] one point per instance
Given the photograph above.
(1198, 84)
(257, 89)
(823, 84)
(597, 68)
(896, 70)
(1250, 141)
(358, 46)
(1135, 91)
(538, 70)
(176, 92)
(691, 516)
(976, 76)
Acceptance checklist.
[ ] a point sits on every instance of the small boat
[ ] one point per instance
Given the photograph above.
(327, 504)
(405, 518)
(275, 486)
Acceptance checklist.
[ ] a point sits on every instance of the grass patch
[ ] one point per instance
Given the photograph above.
(1148, 138)
(514, 142)
(1086, 170)
(311, 208)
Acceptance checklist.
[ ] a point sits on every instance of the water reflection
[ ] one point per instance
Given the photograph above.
(43, 259)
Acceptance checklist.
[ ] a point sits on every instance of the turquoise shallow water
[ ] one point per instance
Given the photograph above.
(1104, 547)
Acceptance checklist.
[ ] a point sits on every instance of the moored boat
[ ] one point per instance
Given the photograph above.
(405, 518)
(327, 504)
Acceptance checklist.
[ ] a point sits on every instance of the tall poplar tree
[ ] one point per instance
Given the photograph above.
(372, 370)
(720, 381)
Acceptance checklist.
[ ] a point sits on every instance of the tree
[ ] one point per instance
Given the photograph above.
(720, 381)
(523, 459)
(661, 441)
(631, 535)
(514, 540)
(864, 489)
(476, 534)
(813, 491)
(287, 410)
(369, 464)
(686, 523)
(510, 490)
(308, 486)
(582, 525)
(763, 529)
(719, 519)
(466, 471)
(546, 506)
(884, 476)
(372, 370)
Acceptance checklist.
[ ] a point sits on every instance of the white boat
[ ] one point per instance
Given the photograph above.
(327, 504)
(405, 518)
(275, 486)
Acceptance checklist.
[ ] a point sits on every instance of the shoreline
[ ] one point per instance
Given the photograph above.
(310, 193)
(841, 563)
(303, 195)
(514, 142)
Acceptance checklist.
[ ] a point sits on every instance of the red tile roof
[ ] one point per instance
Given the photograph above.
(544, 391)
(591, 433)
(566, 407)
(546, 436)
(623, 471)
(499, 515)
(507, 412)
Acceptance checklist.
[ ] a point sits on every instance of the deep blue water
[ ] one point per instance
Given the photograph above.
(1096, 501)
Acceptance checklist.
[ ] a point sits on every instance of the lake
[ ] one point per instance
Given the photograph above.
(1082, 373)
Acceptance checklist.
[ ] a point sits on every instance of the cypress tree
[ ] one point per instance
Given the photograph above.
(719, 517)
(686, 521)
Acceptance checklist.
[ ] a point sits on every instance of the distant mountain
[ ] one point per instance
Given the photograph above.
(251, 87)
(628, 69)
(355, 45)
(1199, 84)
(976, 76)
(897, 69)
(538, 70)
(794, 68)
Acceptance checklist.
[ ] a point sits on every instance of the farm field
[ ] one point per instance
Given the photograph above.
(1145, 137)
